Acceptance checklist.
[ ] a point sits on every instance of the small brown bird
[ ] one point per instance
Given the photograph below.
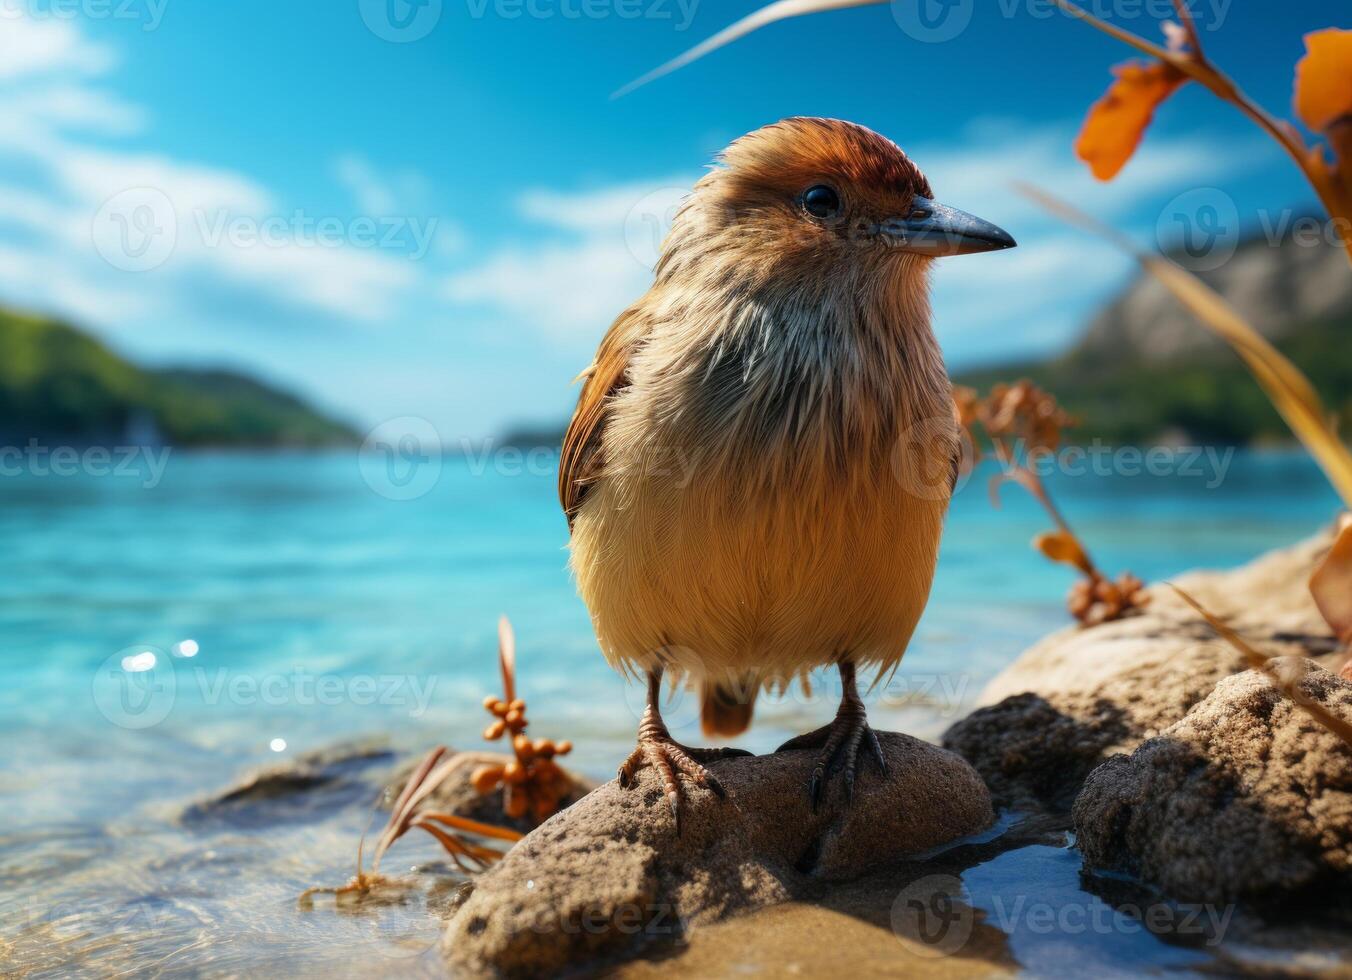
(740, 476)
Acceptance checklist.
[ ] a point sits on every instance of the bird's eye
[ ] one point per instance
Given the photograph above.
(821, 201)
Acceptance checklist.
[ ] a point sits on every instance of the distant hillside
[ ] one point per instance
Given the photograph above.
(1146, 369)
(59, 384)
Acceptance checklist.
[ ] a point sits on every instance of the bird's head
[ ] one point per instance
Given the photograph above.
(811, 195)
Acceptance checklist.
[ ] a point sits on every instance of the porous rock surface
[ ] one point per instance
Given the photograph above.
(1248, 797)
(1083, 694)
(610, 874)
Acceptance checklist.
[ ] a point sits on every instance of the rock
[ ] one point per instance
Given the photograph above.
(1081, 695)
(304, 787)
(1280, 285)
(610, 874)
(1248, 797)
(315, 783)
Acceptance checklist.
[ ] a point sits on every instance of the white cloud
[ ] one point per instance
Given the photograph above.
(593, 257)
(561, 290)
(372, 194)
(31, 46)
(602, 212)
(56, 131)
(60, 106)
(589, 258)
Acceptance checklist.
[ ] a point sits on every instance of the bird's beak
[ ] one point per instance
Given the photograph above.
(936, 229)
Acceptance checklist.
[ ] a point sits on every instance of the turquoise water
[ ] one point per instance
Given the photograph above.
(317, 606)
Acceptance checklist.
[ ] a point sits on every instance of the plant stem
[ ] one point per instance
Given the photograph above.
(1325, 180)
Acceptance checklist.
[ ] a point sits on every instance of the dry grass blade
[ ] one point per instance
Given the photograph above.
(474, 826)
(1291, 394)
(1331, 584)
(769, 14)
(402, 811)
(507, 657)
(1262, 662)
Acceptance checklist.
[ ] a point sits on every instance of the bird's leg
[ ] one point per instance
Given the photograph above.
(840, 741)
(658, 749)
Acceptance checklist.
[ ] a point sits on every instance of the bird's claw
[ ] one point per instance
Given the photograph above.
(839, 742)
(672, 760)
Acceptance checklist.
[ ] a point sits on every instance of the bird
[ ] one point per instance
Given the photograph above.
(758, 469)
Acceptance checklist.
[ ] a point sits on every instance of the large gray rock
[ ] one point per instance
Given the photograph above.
(1280, 285)
(1082, 695)
(1248, 797)
(610, 874)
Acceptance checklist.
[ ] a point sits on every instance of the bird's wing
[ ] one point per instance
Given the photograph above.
(581, 457)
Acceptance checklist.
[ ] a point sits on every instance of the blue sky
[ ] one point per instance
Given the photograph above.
(440, 220)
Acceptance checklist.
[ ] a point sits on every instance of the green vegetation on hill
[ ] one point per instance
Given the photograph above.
(1206, 396)
(58, 383)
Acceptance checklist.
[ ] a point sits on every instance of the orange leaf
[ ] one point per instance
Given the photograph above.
(1061, 546)
(1331, 585)
(1324, 79)
(1116, 122)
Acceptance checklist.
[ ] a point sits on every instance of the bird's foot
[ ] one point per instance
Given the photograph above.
(672, 759)
(839, 742)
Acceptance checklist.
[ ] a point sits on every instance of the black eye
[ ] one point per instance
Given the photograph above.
(821, 201)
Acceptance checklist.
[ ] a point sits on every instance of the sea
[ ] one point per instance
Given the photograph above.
(172, 620)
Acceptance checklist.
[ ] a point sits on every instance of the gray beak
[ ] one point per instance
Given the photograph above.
(935, 229)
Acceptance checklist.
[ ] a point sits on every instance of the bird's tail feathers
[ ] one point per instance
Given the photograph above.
(726, 705)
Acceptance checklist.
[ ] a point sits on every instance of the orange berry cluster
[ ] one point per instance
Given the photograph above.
(533, 783)
(1099, 600)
